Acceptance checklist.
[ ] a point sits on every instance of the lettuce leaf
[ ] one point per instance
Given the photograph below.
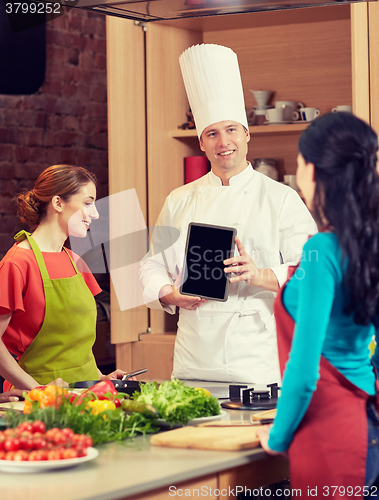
(177, 402)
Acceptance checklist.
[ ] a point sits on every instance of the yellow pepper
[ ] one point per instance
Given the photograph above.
(98, 406)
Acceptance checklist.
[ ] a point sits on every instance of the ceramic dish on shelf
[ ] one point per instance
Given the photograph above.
(46, 465)
(278, 123)
(195, 421)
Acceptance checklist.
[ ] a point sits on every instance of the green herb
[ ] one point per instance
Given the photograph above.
(176, 402)
(110, 425)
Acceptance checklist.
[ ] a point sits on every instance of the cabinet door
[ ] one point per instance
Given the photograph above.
(166, 109)
(127, 152)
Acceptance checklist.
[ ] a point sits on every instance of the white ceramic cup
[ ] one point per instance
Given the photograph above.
(290, 180)
(309, 114)
(275, 115)
(343, 107)
(257, 116)
(290, 107)
(261, 96)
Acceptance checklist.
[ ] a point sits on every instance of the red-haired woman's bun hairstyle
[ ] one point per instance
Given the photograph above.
(58, 180)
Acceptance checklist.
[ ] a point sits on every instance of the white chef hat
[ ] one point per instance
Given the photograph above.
(213, 84)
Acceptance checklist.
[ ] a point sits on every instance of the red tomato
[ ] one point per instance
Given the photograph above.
(87, 441)
(44, 452)
(39, 442)
(81, 452)
(54, 455)
(2, 454)
(9, 432)
(25, 426)
(68, 432)
(70, 453)
(10, 455)
(59, 438)
(49, 435)
(117, 403)
(2, 439)
(35, 456)
(11, 444)
(21, 456)
(38, 426)
(26, 442)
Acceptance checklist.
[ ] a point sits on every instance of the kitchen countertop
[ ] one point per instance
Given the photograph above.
(127, 468)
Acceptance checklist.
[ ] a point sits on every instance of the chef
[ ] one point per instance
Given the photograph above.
(232, 341)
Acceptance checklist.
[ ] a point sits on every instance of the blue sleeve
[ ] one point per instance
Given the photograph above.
(375, 357)
(315, 280)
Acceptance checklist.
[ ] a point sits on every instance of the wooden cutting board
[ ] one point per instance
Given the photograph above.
(257, 417)
(15, 405)
(209, 438)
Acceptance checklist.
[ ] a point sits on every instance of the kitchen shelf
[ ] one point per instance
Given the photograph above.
(290, 128)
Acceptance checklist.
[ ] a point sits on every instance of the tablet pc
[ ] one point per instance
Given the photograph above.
(207, 247)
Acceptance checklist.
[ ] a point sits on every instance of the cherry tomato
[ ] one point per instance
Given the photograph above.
(21, 456)
(38, 426)
(39, 442)
(26, 442)
(81, 452)
(25, 426)
(49, 435)
(70, 453)
(68, 433)
(117, 403)
(59, 438)
(54, 455)
(35, 456)
(2, 439)
(10, 455)
(2, 454)
(9, 432)
(11, 444)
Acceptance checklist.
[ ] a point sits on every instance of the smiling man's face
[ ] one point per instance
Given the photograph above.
(225, 144)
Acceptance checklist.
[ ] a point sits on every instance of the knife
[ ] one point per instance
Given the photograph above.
(237, 423)
(134, 374)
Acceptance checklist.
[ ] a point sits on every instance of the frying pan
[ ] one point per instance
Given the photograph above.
(124, 386)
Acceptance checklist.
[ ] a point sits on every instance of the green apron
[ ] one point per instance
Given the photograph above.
(63, 346)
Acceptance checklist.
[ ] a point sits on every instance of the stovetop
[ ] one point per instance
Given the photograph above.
(251, 399)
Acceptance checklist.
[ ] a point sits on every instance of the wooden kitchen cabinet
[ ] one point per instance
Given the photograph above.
(322, 57)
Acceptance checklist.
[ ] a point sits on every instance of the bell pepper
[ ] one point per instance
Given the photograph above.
(100, 406)
(50, 395)
(103, 390)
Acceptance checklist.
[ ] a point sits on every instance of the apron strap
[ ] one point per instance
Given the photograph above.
(20, 236)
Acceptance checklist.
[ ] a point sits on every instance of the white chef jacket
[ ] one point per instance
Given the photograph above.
(232, 341)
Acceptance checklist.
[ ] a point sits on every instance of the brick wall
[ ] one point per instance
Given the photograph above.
(65, 121)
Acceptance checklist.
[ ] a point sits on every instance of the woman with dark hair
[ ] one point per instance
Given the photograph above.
(326, 316)
(47, 306)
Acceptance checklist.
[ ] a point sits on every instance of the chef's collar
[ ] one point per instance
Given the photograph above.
(239, 180)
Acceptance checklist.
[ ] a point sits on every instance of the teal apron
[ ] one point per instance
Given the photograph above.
(63, 346)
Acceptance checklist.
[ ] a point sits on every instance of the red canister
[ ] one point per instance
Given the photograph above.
(195, 167)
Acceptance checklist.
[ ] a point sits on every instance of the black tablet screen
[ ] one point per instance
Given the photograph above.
(207, 247)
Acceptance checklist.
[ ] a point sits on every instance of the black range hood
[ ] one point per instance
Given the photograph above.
(161, 10)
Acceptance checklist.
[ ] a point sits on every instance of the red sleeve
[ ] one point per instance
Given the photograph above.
(11, 288)
(86, 273)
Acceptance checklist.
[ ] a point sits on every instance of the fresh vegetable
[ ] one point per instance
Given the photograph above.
(50, 395)
(98, 406)
(102, 390)
(79, 417)
(54, 444)
(176, 402)
(130, 406)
